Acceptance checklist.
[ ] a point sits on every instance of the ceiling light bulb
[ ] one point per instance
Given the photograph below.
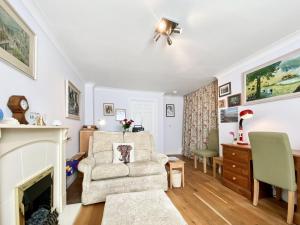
(162, 26)
(175, 92)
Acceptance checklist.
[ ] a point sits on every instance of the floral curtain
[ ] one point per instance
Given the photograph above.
(200, 116)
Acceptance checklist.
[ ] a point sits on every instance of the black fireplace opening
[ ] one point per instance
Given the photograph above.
(38, 203)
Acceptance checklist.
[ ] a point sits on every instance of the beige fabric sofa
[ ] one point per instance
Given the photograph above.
(102, 177)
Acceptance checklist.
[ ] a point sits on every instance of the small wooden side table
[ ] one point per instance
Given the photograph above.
(178, 164)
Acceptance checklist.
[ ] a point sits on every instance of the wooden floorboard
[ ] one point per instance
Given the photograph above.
(203, 201)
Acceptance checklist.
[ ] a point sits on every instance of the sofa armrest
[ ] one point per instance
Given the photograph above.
(85, 166)
(160, 158)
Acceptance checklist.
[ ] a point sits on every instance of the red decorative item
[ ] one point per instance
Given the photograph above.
(245, 114)
(126, 124)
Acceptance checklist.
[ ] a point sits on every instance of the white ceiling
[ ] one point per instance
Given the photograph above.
(110, 42)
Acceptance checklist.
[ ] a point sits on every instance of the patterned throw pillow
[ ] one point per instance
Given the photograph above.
(123, 152)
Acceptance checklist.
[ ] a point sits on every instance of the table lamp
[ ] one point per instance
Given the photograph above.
(245, 114)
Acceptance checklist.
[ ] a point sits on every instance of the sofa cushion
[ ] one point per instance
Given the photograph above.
(123, 152)
(103, 157)
(103, 141)
(143, 144)
(145, 168)
(109, 170)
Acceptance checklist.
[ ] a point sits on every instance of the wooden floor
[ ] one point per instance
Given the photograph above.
(203, 201)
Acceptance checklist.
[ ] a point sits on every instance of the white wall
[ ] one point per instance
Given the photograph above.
(121, 99)
(281, 116)
(169, 136)
(89, 103)
(45, 95)
(173, 126)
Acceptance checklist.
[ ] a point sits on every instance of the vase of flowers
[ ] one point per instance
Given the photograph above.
(126, 124)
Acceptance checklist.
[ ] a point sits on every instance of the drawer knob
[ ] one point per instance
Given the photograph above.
(233, 153)
(233, 166)
(233, 178)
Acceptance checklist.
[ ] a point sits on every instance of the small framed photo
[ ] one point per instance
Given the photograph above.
(225, 89)
(170, 110)
(222, 103)
(108, 109)
(72, 101)
(229, 115)
(234, 100)
(120, 114)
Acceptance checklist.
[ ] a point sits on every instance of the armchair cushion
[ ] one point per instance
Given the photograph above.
(160, 158)
(206, 153)
(145, 168)
(109, 170)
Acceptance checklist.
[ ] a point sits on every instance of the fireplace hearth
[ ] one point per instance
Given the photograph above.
(43, 216)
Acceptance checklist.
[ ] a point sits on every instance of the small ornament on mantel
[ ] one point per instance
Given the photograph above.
(40, 121)
(18, 106)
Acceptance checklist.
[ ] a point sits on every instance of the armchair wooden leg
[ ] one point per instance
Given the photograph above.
(214, 168)
(256, 192)
(291, 204)
(204, 164)
(278, 193)
(195, 161)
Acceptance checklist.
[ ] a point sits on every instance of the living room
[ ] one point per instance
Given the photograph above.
(149, 112)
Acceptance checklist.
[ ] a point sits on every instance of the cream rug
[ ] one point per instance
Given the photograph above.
(69, 214)
(136, 208)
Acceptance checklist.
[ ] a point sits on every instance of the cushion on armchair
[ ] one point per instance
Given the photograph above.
(145, 168)
(109, 170)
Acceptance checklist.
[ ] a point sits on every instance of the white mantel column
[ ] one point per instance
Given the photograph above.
(89, 103)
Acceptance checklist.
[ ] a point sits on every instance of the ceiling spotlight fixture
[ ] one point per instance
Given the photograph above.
(166, 27)
(169, 40)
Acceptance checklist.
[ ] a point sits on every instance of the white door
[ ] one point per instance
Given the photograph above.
(145, 113)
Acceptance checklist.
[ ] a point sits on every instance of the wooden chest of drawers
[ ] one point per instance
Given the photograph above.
(237, 169)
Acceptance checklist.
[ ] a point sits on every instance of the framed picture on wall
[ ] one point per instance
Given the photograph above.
(72, 101)
(225, 89)
(108, 109)
(274, 80)
(222, 103)
(120, 114)
(229, 115)
(170, 110)
(17, 41)
(234, 100)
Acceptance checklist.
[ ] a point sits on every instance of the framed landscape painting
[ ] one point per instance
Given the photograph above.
(234, 100)
(72, 101)
(278, 79)
(225, 89)
(229, 115)
(17, 40)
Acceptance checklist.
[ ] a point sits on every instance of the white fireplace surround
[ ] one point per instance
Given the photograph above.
(25, 151)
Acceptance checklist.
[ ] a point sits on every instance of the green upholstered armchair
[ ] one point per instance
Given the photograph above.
(273, 164)
(212, 149)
